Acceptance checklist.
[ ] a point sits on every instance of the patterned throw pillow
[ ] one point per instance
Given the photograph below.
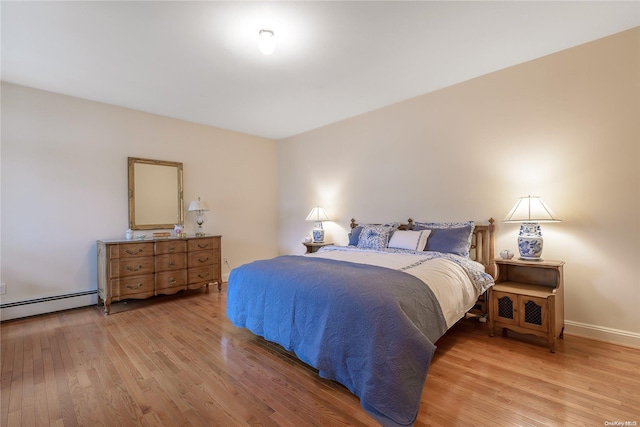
(375, 236)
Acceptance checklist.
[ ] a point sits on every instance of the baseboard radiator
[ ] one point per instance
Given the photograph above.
(33, 307)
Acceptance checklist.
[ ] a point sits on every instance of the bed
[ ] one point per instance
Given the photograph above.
(368, 315)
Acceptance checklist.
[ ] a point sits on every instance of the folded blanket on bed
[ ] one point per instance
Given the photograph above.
(370, 328)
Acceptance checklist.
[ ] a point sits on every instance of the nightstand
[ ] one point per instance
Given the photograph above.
(528, 298)
(313, 247)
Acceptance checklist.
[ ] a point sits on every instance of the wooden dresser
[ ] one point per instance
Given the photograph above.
(143, 268)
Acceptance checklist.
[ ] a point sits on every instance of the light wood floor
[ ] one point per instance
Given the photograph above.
(177, 361)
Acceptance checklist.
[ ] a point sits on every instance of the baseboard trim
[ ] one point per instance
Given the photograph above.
(600, 333)
(36, 306)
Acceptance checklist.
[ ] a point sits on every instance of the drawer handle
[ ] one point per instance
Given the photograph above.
(134, 268)
(138, 286)
(203, 260)
(172, 281)
(202, 276)
(203, 246)
(130, 252)
(171, 264)
(172, 249)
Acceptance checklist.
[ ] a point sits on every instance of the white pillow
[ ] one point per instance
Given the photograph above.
(409, 239)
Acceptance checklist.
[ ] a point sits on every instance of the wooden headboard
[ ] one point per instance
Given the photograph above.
(482, 243)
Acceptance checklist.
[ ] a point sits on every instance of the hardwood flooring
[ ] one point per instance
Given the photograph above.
(177, 361)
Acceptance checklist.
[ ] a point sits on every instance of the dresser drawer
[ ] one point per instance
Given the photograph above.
(171, 247)
(131, 250)
(201, 259)
(201, 276)
(130, 267)
(133, 287)
(171, 281)
(203, 244)
(170, 262)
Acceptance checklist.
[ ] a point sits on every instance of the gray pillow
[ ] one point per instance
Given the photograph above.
(354, 236)
(450, 240)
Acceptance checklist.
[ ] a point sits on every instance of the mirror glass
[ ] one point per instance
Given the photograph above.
(155, 194)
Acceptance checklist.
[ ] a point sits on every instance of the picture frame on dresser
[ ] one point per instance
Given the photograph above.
(140, 269)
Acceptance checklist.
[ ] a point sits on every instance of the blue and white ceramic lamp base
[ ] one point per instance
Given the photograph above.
(530, 241)
(318, 233)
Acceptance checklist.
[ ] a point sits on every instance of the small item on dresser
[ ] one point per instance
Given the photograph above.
(308, 238)
(506, 254)
(128, 234)
(178, 228)
(161, 235)
(140, 236)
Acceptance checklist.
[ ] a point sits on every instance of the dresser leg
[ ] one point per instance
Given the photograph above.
(107, 305)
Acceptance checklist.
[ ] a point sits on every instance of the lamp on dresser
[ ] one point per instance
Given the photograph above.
(529, 211)
(199, 207)
(318, 215)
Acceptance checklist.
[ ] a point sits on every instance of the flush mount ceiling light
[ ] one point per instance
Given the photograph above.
(266, 42)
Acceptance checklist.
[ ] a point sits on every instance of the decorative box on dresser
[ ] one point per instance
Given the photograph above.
(139, 269)
(528, 298)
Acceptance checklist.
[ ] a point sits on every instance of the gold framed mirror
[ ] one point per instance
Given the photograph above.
(155, 194)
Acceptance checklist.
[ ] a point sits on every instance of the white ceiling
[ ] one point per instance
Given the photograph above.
(199, 61)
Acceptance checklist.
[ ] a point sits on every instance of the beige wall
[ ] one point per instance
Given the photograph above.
(64, 185)
(565, 127)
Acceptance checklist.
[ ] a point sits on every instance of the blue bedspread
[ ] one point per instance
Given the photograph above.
(370, 328)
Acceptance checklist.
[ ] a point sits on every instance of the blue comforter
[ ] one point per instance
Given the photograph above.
(370, 328)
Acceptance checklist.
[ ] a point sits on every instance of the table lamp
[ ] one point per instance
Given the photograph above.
(529, 211)
(199, 207)
(318, 215)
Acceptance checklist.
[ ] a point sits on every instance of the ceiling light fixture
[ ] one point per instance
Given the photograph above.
(266, 41)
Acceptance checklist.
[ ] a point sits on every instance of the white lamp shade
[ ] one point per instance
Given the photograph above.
(317, 214)
(266, 42)
(531, 209)
(198, 205)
